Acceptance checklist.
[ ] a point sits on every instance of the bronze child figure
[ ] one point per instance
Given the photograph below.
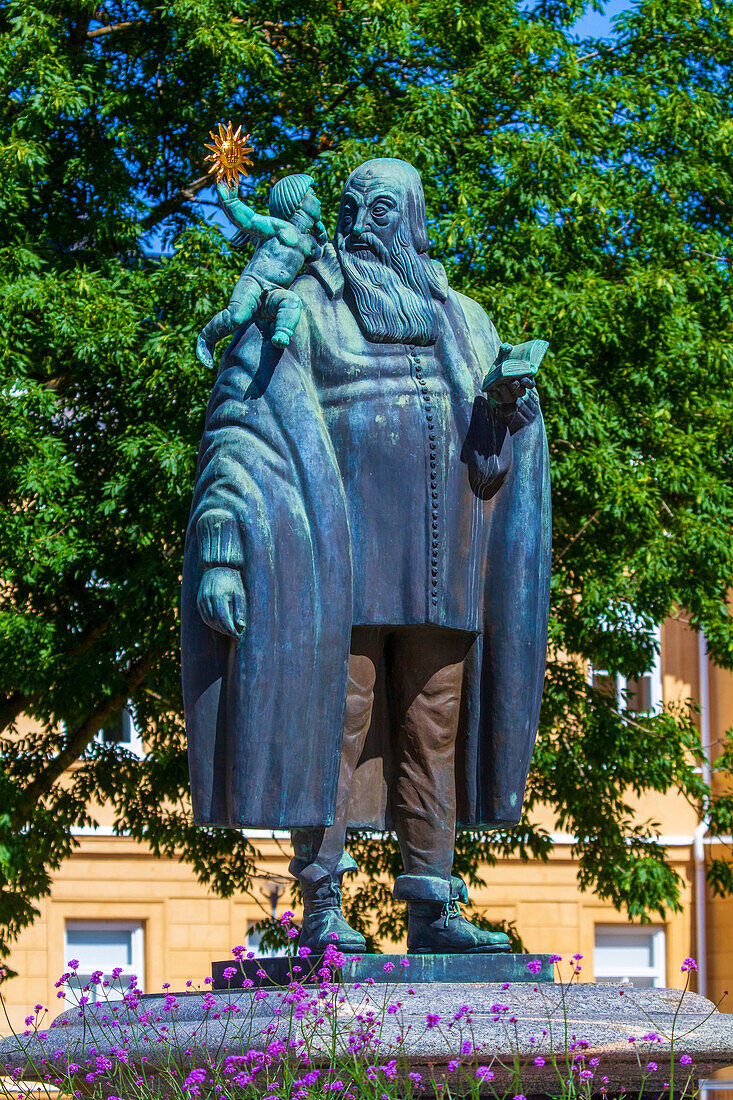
(292, 234)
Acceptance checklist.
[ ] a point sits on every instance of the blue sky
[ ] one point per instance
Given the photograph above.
(598, 25)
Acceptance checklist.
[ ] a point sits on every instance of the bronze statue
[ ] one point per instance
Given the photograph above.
(366, 580)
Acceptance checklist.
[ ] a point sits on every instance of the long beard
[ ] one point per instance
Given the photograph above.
(390, 292)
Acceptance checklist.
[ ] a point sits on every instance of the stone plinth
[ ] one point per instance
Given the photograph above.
(512, 1027)
(387, 969)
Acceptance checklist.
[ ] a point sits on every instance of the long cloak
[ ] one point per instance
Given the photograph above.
(265, 715)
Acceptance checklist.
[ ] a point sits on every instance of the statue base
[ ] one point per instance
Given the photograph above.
(279, 970)
(522, 1038)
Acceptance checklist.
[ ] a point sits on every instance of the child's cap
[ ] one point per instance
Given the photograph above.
(287, 195)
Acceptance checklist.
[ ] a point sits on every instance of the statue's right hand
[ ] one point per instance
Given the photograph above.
(221, 600)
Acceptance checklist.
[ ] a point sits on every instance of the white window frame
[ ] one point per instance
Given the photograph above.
(656, 692)
(137, 942)
(135, 744)
(278, 953)
(657, 971)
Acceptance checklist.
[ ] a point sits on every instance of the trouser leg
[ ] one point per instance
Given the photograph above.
(426, 671)
(325, 847)
(320, 862)
(426, 681)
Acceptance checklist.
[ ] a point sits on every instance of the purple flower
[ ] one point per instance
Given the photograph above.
(685, 1060)
(466, 1047)
(534, 966)
(519, 1096)
(390, 1069)
(484, 1073)
(333, 957)
(555, 959)
(687, 965)
(388, 966)
(652, 1067)
(73, 964)
(229, 972)
(539, 1061)
(432, 1019)
(453, 1065)
(415, 1076)
(195, 1077)
(586, 1075)
(406, 963)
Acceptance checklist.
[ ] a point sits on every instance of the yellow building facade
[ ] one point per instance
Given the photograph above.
(113, 904)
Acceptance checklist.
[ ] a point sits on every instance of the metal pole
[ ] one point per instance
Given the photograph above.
(702, 828)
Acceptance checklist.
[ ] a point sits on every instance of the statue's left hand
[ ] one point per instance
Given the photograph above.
(508, 392)
(521, 412)
(221, 600)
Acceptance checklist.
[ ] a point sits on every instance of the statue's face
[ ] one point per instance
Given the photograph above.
(386, 282)
(370, 217)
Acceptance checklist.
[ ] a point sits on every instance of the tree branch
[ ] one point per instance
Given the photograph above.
(164, 209)
(577, 534)
(79, 737)
(99, 31)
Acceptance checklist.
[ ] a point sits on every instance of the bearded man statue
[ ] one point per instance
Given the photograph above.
(366, 579)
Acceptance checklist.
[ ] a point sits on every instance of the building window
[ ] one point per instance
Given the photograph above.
(106, 946)
(254, 944)
(629, 953)
(638, 694)
(122, 731)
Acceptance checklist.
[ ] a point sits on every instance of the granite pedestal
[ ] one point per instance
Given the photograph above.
(528, 1034)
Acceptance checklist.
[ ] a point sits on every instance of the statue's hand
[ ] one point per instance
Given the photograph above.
(221, 600)
(319, 232)
(509, 391)
(518, 414)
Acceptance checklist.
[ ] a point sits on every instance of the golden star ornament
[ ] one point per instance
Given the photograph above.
(228, 154)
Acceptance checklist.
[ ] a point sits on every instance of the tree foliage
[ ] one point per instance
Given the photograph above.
(581, 190)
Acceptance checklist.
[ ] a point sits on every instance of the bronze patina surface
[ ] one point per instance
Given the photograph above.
(366, 578)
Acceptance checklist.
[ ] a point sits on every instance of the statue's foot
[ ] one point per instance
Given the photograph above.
(329, 928)
(324, 925)
(435, 929)
(280, 338)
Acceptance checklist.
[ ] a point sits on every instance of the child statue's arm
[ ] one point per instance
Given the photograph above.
(260, 227)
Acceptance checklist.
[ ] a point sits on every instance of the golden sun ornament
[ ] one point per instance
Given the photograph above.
(228, 154)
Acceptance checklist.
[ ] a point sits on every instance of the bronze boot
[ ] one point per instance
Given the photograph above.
(324, 924)
(435, 925)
